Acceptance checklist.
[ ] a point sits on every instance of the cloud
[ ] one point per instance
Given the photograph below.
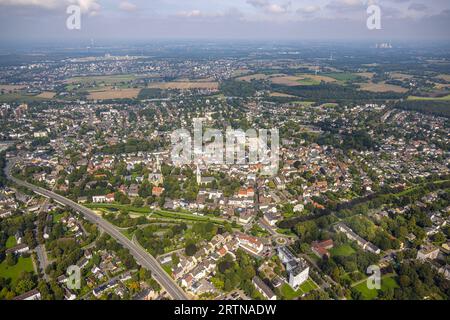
(258, 3)
(127, 6)
(309, 10)
(87, 6)
(48, 4)
(345, 5)
(417, 7)
(271, 8)
(190, 14)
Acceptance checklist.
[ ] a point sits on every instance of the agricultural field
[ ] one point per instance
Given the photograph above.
(46, 95)
(342, 76)
(281, 95)
(445, 77)
(19, 97)
(414, 98)
(7, 88)
(112, 93)
(248, 78)
(400, 76)
(381, 87)
(184, 85)
(107, 80)
(305, 80)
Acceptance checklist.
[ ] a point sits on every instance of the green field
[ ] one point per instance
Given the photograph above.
(20, 97)
(108, 80)
(303, 103)
(11, 242)
(414, 98)
(13, 273)
(341, 76)
(345, 250)
(289, 294)
(368, 294)
(308, 82)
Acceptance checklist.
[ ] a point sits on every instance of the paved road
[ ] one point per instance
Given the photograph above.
(141, 256)
(42, 257)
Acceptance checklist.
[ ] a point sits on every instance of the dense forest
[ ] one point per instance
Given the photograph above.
(440, 108)
(238, 88)
(334, 93)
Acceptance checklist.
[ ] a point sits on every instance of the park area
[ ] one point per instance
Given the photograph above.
(344, 250)
(13, 272)
(387, 282)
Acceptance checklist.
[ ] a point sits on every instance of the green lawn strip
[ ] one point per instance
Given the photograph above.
(13, 273)
(126, 208)
(167, 268)
(415, 98)
(11, 242)
(178, 215)
(160, 213)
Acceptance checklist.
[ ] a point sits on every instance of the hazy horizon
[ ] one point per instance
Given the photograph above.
(45, 20)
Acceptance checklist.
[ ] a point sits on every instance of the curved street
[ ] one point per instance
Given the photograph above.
(142, 256)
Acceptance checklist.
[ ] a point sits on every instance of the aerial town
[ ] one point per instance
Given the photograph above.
(89, 182)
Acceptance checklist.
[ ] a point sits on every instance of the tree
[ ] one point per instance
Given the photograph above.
(191, 249)
(11, 259)
(175, 259)
(24, 285)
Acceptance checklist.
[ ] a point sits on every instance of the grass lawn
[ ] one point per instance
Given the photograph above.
(345, 250)
(57, 217)
(167, 268)
(13, 273)
(289, 294)
(11, 242)
(127, 234)
(370, 294)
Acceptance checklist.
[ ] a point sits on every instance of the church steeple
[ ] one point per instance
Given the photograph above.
(199, 176)
(158, 165)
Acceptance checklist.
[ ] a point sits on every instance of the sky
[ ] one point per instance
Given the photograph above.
(225, 19)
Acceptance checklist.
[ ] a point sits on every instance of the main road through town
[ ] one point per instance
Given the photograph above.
(142, 257)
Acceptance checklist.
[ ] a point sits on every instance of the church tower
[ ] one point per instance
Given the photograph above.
(199, 176)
